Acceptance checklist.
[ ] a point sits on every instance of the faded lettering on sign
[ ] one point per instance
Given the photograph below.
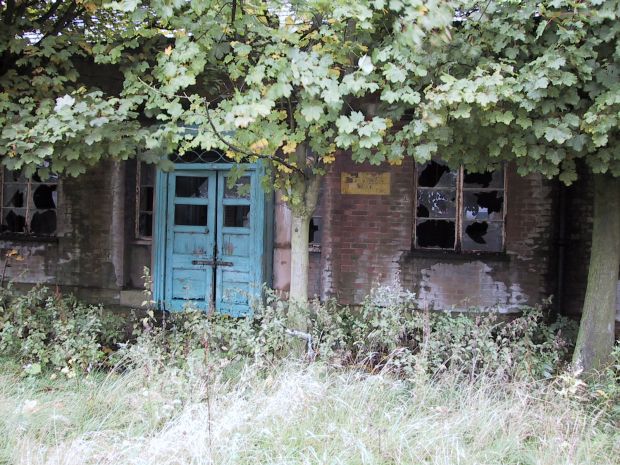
(365, 183)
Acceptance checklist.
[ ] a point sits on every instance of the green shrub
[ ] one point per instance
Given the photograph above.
(45, 330)
(388, 331)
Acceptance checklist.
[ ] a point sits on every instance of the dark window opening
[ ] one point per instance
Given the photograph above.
(190, 215)
(314, 232)
(237, 216)
(192, 187)
(483, 205)
(43, 223)
(434, 174)
(483, 180)
(43, 196)
(435, 234)
(28, 205)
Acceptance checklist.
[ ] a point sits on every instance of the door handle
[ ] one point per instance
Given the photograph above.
(211, 263)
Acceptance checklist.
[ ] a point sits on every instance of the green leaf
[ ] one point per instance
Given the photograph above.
(312, 112)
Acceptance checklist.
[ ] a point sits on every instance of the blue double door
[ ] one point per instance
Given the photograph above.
(210, 242)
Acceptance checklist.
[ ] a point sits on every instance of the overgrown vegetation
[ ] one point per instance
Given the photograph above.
(43, 330)
(382, 383)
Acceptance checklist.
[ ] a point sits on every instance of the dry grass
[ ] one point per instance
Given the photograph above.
(295, 414)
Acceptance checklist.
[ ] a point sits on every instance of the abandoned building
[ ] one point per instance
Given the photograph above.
(457, 239)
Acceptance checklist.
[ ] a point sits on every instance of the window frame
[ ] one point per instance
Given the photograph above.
(458, 223)
(138, 211)
(27, 235)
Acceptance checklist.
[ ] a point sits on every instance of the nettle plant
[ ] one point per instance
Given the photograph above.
(46, 331)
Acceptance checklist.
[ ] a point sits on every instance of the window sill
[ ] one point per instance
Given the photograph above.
(464, 256)
(142, 242)
(16, 237)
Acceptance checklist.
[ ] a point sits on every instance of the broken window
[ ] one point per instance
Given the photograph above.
(478, 198)
(28, 205)
(145, 188)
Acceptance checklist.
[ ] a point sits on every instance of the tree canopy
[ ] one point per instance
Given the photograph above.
(297, 83)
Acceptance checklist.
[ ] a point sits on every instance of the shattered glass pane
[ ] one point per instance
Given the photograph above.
(43, 223)
(44, 196)
(484, 180)
(192, 186)
(14, 220)
(486, 205)
(190, 215)
(14, 195)
(240, 190)
(435, 234)
(13, 176)
(434, 174)
(436, 203)
(237, 216)
(482, 236)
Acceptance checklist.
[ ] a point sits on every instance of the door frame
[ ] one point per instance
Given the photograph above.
(262, 242)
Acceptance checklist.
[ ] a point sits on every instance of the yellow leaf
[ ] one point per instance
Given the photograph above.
(327, 159)
(259, 145)
(289, 147)
(168, 50)
(317, 47)
(335, 72)
(284, 169)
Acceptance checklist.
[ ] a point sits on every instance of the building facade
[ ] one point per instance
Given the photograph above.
(456, 239)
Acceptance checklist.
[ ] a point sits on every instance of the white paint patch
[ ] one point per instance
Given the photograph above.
(465, 285)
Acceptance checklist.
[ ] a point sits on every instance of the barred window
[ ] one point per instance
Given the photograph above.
(28, 205)
(459, 210)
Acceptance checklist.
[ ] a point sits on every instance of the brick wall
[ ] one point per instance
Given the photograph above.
(80, 257)
(367, 242)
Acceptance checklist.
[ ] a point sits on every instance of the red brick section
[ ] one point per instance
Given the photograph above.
(367, 239)
(364, 235)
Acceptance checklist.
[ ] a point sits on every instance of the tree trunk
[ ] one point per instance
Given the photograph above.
(299, 257)
(596, 330)
(300, 224)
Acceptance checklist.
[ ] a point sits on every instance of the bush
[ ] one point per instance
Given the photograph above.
(45, 330)
(387, 332)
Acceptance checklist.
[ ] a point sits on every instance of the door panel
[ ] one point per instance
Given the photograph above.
(236, 236)
(190, 239)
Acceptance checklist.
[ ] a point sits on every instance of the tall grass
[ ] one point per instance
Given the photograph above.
(293, 413)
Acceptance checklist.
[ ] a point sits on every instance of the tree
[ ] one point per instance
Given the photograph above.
(53, 99)
(288, 83)
(536, 83)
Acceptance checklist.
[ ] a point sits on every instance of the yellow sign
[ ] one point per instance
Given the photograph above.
(365, 183)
